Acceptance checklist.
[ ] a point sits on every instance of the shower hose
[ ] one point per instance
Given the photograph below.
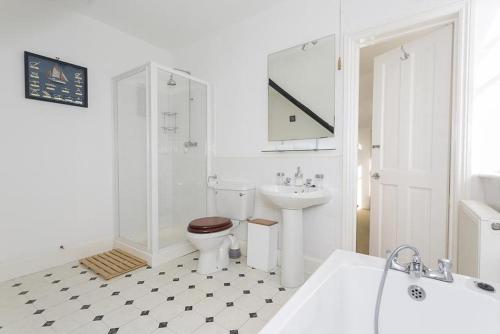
(382, 283)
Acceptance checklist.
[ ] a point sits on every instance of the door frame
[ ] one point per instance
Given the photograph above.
(459, 15)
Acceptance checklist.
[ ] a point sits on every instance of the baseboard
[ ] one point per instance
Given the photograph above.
(44, 260)
(172, 252)
(48, 259)
(145, 255)
(165, 255)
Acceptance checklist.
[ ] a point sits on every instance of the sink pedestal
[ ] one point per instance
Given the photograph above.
(292, 200)
(292, 248)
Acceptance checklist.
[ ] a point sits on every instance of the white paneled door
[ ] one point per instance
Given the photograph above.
(411, 146)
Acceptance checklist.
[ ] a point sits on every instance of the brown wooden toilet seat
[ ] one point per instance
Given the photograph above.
(209, 225)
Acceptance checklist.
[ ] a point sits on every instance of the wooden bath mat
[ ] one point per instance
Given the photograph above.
(113, 263)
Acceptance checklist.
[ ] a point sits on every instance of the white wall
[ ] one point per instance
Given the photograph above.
(486, 88)
(56, 160)
(486, 103)
(234, 61)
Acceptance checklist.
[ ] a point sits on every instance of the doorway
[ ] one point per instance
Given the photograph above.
(404, 129)
(459, 15)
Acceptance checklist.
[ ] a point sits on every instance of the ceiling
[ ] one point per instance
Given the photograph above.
(168, 23)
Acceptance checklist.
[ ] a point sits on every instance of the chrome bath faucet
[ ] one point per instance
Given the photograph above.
(416, 268)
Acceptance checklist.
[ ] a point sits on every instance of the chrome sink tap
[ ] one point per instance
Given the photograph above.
(299, 178)
(416, 268)
(308, 183)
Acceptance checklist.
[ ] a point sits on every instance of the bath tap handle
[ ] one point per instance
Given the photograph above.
(443, 272)
(444, 265)
(398, 266)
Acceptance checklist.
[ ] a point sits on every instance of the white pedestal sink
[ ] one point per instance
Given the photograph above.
(292, 200)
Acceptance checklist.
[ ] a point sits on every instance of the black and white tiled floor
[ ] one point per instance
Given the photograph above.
(171, 298)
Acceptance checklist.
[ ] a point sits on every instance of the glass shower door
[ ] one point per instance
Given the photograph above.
(131, 126)
(182, 150)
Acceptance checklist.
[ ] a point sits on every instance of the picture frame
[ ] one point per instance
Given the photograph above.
(52, 80)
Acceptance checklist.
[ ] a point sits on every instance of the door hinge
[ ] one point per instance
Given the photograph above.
(339, 64)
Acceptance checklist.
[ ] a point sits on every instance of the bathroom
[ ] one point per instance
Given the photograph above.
(59, 170)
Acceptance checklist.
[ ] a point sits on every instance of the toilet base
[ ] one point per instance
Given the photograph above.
(209, 263)
(214, 251)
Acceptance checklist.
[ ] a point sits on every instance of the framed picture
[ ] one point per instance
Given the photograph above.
(52, 80)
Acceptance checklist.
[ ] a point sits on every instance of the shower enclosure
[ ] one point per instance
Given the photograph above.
(161, 160)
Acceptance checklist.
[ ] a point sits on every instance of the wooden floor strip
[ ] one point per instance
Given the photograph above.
(102, 267)
(117, 261)
(113, 263)
(104, 260)
(120, 260)
(125, 256)
(129, 255)
(94, 268)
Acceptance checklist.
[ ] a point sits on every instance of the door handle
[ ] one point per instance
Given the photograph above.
(375, 176)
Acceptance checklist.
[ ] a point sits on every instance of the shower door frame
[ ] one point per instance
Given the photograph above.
(152, 252)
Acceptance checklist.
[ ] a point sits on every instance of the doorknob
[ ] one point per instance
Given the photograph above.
(375, 176)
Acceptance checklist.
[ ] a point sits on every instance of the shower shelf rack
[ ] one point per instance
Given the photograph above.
(170, 128)
(167, 128)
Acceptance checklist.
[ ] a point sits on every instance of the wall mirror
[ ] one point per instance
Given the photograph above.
(301, 91)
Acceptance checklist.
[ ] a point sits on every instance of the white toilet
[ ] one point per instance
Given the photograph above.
(234, 202)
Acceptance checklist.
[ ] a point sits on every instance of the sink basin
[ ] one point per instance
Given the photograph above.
(292, 200)
(295, 198)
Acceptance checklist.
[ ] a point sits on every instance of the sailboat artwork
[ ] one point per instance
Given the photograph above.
(57, 75)
(52, 80)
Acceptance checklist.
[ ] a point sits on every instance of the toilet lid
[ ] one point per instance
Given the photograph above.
(209, 225)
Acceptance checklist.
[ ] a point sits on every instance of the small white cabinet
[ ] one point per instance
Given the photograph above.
(262, 244)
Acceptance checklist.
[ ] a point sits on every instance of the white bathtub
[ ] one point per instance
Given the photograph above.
(339, 298)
